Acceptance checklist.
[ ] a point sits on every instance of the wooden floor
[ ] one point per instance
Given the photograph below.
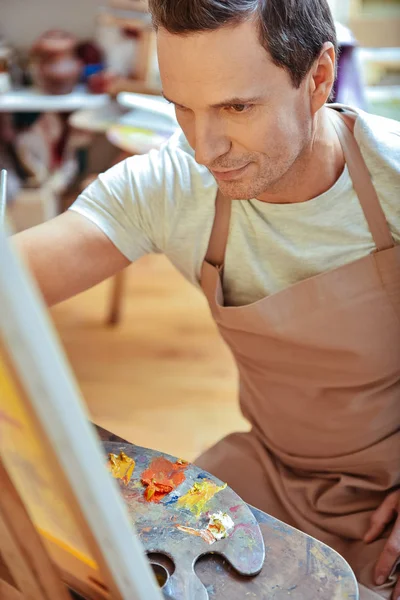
(163, 378)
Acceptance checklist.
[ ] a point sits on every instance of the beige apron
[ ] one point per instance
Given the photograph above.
(319, 367)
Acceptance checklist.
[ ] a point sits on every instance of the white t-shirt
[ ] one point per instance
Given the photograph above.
(164, 202)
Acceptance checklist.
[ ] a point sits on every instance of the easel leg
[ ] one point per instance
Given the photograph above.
(23, 550)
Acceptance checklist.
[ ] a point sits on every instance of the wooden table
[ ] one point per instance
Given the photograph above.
(149, 123)
(297, 566)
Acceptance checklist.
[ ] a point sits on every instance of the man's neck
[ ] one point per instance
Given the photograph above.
(315, 171)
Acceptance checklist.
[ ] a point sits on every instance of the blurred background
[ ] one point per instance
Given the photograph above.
(80, 91)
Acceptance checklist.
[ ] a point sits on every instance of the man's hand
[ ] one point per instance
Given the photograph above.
(387, 512)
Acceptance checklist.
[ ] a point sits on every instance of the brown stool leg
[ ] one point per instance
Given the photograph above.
(114, 315)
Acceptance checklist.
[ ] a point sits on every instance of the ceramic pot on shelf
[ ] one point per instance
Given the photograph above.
(54, 65)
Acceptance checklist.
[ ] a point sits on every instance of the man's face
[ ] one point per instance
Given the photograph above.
(241, 114)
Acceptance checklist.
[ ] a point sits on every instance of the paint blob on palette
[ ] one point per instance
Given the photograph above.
(183, 512)
(218, 528)
(121, 466)
(162, 477)
(199, 495)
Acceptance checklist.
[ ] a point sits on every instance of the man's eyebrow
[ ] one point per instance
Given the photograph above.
(229, 102)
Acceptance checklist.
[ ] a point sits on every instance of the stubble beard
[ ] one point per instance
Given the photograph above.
(273, 177)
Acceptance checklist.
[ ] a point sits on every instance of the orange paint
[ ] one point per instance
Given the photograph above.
(206, 535)
(162, 477)
(121, 466)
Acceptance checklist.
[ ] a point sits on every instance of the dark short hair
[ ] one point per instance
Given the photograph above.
(292, 31)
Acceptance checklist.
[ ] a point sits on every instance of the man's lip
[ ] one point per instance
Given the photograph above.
(228, 174)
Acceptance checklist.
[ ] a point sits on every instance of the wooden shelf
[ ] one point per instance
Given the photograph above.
(137, 19)
(373, 32)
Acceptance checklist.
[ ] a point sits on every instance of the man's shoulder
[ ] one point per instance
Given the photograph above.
(178, 141)
(383, 130)
(379, 138)
(170, 172)
(179, 165)
(179, 146)
(374, 130)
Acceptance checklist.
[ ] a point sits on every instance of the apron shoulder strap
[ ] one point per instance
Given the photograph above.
(362, 182)
(219, 235)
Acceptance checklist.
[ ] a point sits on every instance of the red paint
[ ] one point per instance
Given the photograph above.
(234, 509)
(162, 477)
(134, 496)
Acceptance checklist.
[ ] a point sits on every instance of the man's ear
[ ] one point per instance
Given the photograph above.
(322, 77)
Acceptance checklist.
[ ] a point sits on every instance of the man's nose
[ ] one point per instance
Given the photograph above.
(210, 143)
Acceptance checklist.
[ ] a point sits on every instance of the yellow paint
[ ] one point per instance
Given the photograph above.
(320, 556)
(137, 485)
(78, 555)
(198, 496)
(121, 466)
(340, 593)
(26, 461)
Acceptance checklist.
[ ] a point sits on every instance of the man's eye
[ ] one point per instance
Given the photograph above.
(240, 108)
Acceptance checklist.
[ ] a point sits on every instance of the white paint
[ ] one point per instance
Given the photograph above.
(223, 522)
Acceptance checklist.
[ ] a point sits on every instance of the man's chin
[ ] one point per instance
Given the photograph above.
(236, 190)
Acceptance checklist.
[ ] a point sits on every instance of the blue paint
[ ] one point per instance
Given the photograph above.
(210, 590)
(172, 500)
(281, 527)
(203, 476)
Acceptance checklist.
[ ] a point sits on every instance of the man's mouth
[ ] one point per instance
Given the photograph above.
(229, 175)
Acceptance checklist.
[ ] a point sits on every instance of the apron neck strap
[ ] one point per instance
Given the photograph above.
(362, 182)
(220, 231)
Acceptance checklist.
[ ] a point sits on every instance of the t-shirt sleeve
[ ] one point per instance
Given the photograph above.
(127, 203)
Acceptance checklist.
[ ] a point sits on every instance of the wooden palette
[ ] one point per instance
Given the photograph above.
(157, 523)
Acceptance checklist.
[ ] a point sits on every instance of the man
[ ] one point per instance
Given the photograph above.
(302, 273)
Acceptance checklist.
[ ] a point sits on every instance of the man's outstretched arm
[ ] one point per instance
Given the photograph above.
(68, 255)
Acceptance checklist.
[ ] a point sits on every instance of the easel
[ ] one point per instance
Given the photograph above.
(62, 521)
(26, 571)
(30, 573)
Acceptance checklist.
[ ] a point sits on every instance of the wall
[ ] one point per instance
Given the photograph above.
(22, 21)
(340, 10)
